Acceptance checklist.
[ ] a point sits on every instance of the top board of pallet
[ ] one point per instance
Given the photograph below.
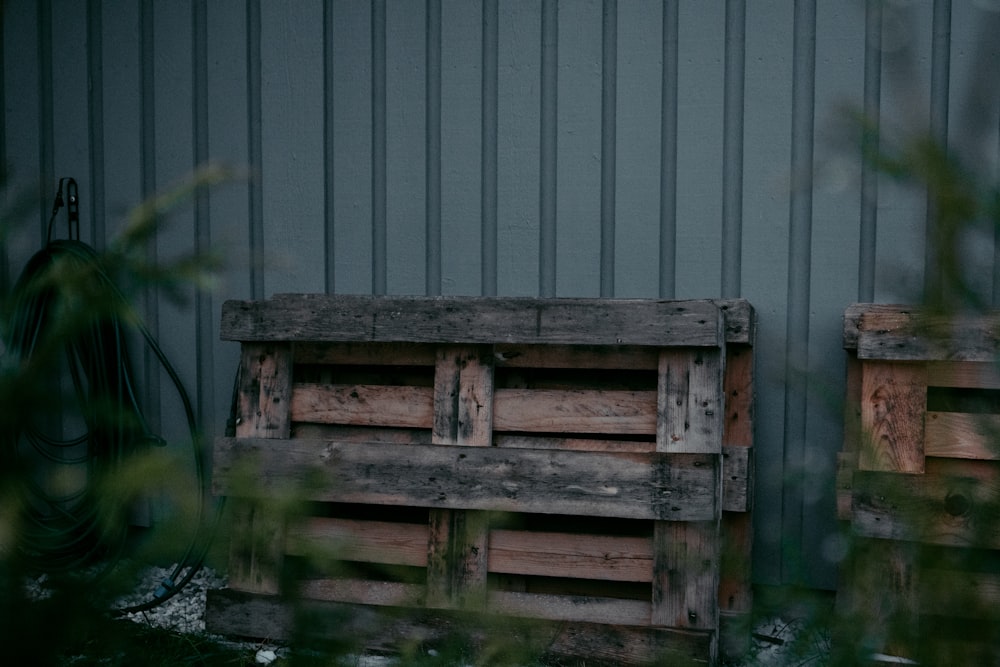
(521, 320)
(906, 333)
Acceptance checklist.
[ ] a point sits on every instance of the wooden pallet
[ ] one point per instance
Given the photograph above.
(919, 483)
(586, 463)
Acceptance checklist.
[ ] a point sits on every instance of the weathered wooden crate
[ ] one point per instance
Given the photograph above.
(919, 483)
(583, 462)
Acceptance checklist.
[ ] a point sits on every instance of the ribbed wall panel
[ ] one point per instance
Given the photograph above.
(584, 148)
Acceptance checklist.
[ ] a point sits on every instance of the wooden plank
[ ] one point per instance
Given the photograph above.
(384, 542)
(686, 574)
(575, 411)
(270, 617)
(879, 595)
(320, 318)
(640, 486)
(847, 463)
(363, 405)
(741, 320)
(463, 400)
(611, 357)
(373, 434)
(737, 479)
(907, 335)
(570, 608)
(977, 375)
(582, 556)
(363, 591)
(264, 391)
(962, 436)
(738, 390)
(578, 444)
(257, 545)
(458, 541)
(690, 401)
(365, 354)
(894, 398)
(952, 504)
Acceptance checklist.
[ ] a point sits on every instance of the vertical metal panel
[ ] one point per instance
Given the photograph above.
(95, 130)
(379, 166)
(329, 152)
(462, 161)
(835, 239)
(406, 147)
(869, 146)
(228, 131)
(668, 152)
(203, 311)
(147, 157)
(638, 119)
(355, 142)
(292, 148)
(519, 163)
(255, 149)
(46, 168)
(799, 276)
(767, 139)
(732, 148)
(577, 233)
(609, 146)
(938, 131)
(489, 137)
(432, 149)
(700, 92)
(548, 149)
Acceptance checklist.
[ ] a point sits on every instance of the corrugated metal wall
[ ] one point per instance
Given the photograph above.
(639, 148)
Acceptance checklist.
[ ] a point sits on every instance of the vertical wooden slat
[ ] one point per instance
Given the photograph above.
(893, 403)
(257, 542)
(686, 574)
(689, 401)
(735, 585)
(463, 415)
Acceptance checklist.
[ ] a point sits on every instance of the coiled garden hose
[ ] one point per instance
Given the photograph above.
(80, 331)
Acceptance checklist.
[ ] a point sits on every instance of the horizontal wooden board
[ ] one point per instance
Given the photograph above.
(363, 405)
(383, 542)
(364, 591)
(972, 374)
(962, 436)
(320, 318)
(576, 356)
(581, 556)
(679, 487)
(365, 354)
(952, 504)
(575, 411)
(904, 334)
(271, 617)
(571, 608)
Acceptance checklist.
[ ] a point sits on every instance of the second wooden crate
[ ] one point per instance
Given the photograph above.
(919, 483)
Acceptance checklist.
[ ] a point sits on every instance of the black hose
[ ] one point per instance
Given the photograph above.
(80, 330)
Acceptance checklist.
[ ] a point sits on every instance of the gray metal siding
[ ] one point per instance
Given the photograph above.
(613, 148)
